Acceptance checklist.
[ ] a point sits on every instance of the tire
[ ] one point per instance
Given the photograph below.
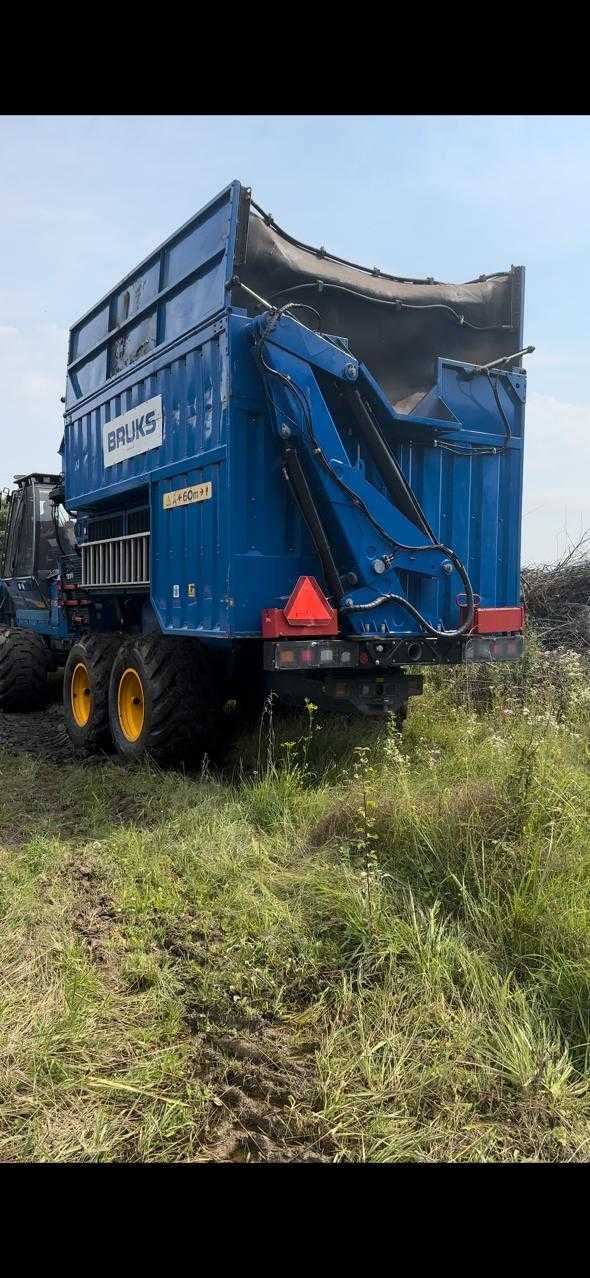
(163, 700)
(24, 662)
(86, 679)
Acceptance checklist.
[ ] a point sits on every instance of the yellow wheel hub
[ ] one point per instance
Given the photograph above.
(130, 705)
(80, 695)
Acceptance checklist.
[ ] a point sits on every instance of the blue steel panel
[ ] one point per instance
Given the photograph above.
(189, 554)
(472, 433)
(135, 294)
(271, 546)
(88, 377)
(473, 504)
(179, 287)
(134, 342)
(217, 563)
(199, 242)
(89, 333)
(191, 386)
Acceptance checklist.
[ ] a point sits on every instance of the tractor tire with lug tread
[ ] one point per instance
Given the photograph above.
(24, 662)
(163, 700)
(86, 690)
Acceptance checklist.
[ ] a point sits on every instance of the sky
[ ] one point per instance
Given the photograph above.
(85, 198)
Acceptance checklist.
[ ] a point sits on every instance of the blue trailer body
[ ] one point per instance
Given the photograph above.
(289, 474)
(172, 335)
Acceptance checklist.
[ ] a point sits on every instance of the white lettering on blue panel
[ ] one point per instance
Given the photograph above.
(133, 433)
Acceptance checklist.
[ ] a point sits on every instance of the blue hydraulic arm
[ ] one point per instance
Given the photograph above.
(321, 396)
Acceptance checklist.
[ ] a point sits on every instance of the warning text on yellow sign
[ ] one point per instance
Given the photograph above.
(186, 496)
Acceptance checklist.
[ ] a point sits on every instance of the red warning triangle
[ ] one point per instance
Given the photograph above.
(308, 605)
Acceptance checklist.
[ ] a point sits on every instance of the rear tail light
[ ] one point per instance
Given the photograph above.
(494, 648)
(303, 656)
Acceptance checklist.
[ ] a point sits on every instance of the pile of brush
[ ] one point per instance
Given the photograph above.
(557, 599)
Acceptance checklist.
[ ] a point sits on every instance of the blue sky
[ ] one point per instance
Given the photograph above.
(83, 198)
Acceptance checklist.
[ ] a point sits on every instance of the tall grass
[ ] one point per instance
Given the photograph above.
(394, 929)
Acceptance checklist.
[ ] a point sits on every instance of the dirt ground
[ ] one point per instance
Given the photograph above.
(40, 733)
(263, 1082)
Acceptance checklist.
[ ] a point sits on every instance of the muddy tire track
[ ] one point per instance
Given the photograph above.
(41, 733)
(265, 1094)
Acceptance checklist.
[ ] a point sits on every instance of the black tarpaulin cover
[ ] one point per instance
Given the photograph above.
(477, 321)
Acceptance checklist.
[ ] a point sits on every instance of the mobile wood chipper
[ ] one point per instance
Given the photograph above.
(280, 470)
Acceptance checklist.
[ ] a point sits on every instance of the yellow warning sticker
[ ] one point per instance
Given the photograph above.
(186, 496)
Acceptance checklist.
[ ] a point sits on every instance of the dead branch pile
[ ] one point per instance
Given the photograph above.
(557, 599)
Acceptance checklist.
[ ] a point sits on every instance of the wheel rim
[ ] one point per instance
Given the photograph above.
(80, 695)
(130, 705)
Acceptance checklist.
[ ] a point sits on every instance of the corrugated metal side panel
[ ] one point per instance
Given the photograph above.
(217, 563)
(189, 565)
(179, 287)
(191, 385)
(469, 485)
(190, 544)
(473, 506)
(270, 544)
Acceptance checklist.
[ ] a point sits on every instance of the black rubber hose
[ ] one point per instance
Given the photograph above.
(405, 603)
(322, 286)
(496, 395)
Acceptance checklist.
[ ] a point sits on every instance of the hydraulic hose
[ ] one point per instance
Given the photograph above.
(428, 629)
(409, 607)
(324, 286)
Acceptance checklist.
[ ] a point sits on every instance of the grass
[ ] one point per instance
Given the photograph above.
(354, 945)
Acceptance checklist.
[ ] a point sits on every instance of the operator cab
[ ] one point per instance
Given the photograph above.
(39, 532)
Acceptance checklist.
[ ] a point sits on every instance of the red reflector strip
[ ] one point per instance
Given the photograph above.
(493, 621)
(274, 625)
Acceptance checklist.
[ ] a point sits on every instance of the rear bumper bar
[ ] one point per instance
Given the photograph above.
(359, 656)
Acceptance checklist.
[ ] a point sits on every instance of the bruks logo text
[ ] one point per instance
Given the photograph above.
(140, 426)
(134, 432)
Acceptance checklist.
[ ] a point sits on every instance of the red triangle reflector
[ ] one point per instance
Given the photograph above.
(308, 605)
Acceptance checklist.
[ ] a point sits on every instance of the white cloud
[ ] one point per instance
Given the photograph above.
(557, 476)
(32, 377)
